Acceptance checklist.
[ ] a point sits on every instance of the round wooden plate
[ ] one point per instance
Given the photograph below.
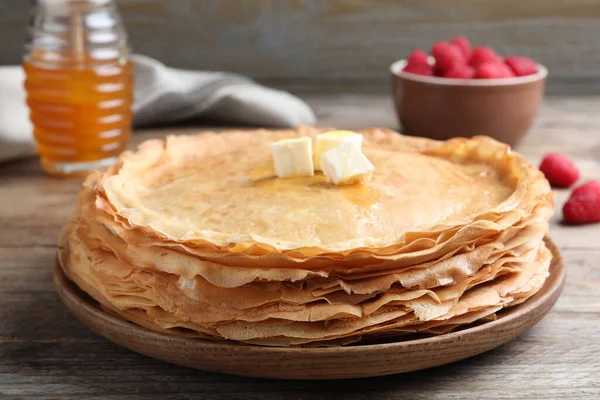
(318, 363)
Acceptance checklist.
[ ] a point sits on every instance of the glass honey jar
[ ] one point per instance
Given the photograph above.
(79, 84)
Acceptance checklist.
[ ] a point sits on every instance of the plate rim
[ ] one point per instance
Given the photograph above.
(93, 309)
(539, 297)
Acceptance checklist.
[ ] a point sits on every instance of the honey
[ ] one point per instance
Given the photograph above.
(266, 178)
(79, 115)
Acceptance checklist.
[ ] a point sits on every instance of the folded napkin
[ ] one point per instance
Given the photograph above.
(164, 95)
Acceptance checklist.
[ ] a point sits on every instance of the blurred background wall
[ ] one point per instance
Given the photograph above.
(341, 40)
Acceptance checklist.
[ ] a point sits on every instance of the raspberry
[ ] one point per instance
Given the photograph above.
(438, 48)
(463, 44)
(460, 72)
(418, 57)
(584, 204)
(584, 189)
(492, 71)
(521, 65)
(447, 56)
(482, 55)
(560, 171)
(419, 69)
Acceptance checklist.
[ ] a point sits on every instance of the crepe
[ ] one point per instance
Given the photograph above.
(196, 236)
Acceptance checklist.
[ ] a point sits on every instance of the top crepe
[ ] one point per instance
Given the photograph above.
(220, 190)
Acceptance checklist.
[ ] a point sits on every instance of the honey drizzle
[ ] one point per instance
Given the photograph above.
(360, 194)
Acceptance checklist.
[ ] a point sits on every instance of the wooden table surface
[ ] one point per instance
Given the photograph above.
(46, 353)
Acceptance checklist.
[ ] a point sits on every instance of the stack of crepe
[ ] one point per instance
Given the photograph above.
(196, 236)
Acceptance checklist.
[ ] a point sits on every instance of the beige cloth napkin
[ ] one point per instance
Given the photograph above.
(164, 95)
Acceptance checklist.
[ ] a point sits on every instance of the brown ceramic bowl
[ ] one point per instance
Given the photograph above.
(442, 108)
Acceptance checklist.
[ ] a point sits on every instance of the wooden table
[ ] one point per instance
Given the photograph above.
(46, 353)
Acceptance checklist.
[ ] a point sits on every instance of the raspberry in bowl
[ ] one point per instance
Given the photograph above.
(462, 91)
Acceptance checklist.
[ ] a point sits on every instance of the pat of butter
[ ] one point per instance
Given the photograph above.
(293, 157)
(346, 164)
(330, 140)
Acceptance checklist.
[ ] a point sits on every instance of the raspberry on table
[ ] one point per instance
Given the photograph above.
(560, 171)
(583, 205)
(446, 56)
(461, 72)
(419, 69)
(418, 57)
(493, 70)
(463, 44)
(483, 54)
(521, 66)
(585, 188)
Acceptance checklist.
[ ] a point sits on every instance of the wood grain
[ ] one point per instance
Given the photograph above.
(340, 39)
(46, 353)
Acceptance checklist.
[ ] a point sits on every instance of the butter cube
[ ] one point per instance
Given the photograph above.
(293, 157)
(329, 140)
(346, 164)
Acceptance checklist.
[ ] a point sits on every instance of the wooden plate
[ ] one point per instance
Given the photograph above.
(318, 363)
